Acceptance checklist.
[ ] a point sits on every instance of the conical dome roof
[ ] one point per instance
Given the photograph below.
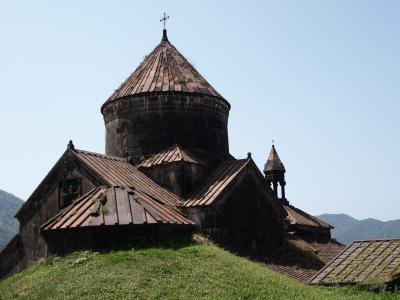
(165, 69)
(274, 163)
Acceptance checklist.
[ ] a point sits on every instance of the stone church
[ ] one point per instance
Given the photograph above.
(166, 172)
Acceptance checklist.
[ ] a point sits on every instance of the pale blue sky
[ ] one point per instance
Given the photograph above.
(322, 78)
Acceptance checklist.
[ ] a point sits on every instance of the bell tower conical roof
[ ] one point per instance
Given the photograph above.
(274, 163)
(165, 69)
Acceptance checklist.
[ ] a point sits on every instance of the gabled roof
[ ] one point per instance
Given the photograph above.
(273, 163)
(116, 171)
(171, 155)
(165, 69)
(296, 216)
(217, 183)
(364, 262)
(119, 172)
(112, 206)
(110, 171)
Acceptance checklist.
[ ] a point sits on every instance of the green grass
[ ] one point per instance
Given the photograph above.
(190, 272)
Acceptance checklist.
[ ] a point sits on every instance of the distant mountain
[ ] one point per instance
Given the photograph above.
(9, 205)
(341, 222)
(348, 229)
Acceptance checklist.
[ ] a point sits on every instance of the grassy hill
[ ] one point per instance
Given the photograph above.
(9, 204)
(189, 272)
(348, 229)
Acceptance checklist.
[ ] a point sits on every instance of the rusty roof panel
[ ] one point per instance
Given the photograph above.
(170, 155)
(363, 262)
(296, 216)
(115, 206)
(164, 69)
(116, 171)
(217, 182)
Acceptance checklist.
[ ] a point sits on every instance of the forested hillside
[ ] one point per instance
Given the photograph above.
(9, 205)
(348, 229)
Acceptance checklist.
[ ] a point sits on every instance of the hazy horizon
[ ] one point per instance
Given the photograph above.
(320, 78)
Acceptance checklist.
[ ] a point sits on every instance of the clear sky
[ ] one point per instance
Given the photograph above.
(322, 78)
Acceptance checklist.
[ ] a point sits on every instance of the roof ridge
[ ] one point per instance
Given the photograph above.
(107, 156)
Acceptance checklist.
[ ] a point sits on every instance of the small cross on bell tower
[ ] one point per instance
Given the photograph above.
(164, 21)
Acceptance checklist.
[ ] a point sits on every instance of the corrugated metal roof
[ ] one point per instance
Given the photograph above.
(170, 155)
(273, 163)
(363, 262)
(116, 171)
(296, 216)
(111, 206)
(165, 69)
(217, 182)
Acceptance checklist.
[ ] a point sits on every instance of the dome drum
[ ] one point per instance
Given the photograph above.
(140, 126)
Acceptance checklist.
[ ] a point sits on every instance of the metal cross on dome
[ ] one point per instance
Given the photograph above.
(164, 19)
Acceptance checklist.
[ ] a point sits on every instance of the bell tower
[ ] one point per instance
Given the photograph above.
(274, 171)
